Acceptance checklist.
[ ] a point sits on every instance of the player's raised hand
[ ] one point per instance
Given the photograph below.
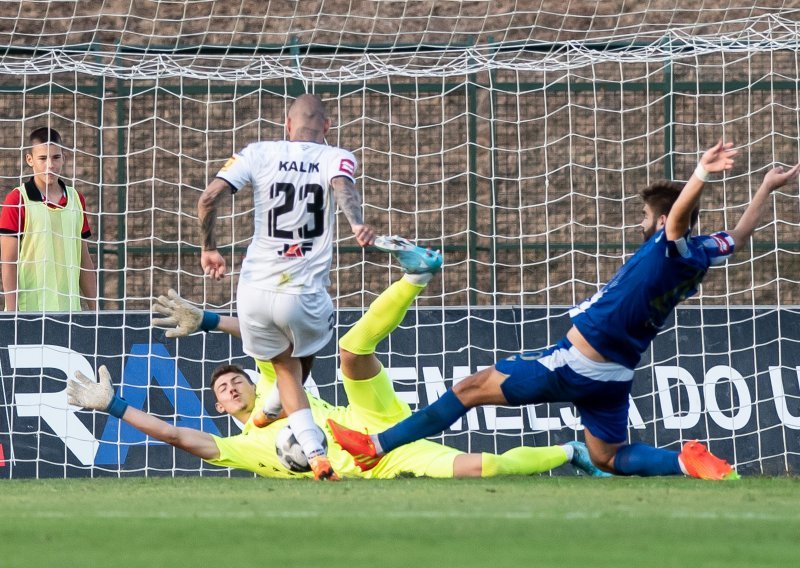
(213, 264)
(719, 157)
(365, 235)
(780, 176)
(181, 317)
(84, 392)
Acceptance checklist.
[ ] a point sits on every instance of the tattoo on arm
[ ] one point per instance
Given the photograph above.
(207, 222)
(207, 212)
(349, 199)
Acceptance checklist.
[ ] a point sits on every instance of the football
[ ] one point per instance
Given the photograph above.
(290, 453)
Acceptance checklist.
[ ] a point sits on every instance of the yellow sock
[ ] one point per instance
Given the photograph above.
(266, 370)
(382, 317)
(523, 461)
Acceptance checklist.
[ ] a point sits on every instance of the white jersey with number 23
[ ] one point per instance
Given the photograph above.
(292, 246)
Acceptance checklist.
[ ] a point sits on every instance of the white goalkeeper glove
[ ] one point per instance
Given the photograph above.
(182, 318)
(86, 393)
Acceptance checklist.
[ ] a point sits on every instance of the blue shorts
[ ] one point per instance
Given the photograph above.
(551, 376)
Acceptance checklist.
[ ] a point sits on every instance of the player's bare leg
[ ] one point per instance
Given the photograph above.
(272, 409)
(289, 373)
(602, 453)
(483, 387)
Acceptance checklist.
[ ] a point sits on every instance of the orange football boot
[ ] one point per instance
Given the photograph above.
(357, 444)
(321, 466)
(701, 463)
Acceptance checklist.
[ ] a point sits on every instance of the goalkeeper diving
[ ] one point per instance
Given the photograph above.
(373, 404)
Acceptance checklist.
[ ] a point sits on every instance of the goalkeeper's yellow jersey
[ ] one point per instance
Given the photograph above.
(254, 449)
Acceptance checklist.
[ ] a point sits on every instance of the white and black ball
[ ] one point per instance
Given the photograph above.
(290, 452)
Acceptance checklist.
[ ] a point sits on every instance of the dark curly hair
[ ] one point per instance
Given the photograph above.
(661, 196)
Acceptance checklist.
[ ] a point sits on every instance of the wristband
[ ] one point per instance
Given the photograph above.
(701, 173)
(210, 321)
(117, 407)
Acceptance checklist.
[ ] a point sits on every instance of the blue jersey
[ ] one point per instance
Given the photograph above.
(624, 316)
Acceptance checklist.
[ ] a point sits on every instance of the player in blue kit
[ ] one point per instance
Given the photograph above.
(593, 365)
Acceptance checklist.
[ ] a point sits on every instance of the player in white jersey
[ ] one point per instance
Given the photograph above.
(285, 312)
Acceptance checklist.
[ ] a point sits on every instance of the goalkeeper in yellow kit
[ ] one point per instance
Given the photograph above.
(373, 404)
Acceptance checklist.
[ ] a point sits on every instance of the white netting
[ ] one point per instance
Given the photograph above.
(339, 40)
(511, 134)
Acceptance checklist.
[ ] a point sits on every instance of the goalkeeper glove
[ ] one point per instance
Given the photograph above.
(86, 393)
(182, 318)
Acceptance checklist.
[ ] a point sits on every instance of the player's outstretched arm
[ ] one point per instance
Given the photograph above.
(775, 178)
(716, 159)
(84, 392)
(349, 200)
(182, 318)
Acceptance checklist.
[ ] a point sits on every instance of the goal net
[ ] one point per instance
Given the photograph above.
(513, 136)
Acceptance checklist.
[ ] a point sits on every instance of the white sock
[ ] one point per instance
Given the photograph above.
(569, 450)
(307, 433)
(376, 443)
(418, 279)
(272, 406)
(683, 468)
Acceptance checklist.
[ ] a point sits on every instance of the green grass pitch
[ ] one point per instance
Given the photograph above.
(526, 522)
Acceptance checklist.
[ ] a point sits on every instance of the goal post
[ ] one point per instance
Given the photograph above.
(516, 141)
